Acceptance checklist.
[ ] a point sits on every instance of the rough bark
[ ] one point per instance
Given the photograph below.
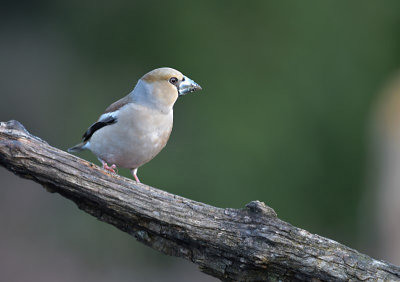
(231, 244)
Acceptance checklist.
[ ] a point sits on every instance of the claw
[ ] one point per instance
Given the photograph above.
(111, 168)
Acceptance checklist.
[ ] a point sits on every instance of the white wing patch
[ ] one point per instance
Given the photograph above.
(107, 115)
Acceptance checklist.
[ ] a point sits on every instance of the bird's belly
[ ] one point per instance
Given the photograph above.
(129, 148)
(134, 153)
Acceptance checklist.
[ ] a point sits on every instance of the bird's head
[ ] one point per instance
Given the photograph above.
(163, 86)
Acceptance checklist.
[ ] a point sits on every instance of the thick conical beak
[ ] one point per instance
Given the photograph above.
(187, 85)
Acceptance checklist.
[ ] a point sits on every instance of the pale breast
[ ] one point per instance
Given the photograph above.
(137, 137)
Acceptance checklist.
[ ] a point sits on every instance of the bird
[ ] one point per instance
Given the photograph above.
(134, 129)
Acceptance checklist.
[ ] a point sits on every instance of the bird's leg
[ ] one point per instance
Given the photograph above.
(109, 168)
(134, 172)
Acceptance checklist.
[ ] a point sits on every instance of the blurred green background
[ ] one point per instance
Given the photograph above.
(288, 87)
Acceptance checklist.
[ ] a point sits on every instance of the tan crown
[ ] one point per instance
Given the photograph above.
(162, 74)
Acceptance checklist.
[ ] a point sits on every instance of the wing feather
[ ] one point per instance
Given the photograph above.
(108, 120)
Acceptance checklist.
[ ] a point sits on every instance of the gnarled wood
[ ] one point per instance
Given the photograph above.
(230, 244)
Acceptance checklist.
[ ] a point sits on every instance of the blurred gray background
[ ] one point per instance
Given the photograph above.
(289, 88)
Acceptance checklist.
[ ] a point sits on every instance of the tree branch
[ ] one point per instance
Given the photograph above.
(230, 244)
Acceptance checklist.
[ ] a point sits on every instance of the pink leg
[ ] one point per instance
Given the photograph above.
(109, 168)
(134, 172)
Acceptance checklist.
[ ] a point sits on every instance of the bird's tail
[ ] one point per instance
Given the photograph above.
(79, 147)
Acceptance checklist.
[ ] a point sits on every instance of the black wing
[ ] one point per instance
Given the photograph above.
(96, 126)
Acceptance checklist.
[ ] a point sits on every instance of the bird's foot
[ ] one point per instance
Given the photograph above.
(112, 168)
(134, 173)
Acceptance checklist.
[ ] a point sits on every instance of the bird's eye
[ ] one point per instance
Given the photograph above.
(173, 80)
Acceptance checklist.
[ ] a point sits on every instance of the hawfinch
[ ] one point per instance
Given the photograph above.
(133, 130)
